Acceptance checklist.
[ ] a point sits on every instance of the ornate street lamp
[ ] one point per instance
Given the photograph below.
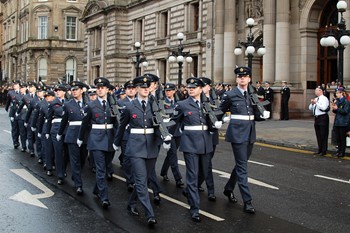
(338, 38)
(140, 59)
(250, 45)
(180, 56)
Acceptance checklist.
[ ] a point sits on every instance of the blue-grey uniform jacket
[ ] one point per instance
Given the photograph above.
(187, 113)
(54, 117)
(122, 103)
(31, 107)
(102, 125)
(42, 122)
(24, 106)
(342, 113)
(143, 145)
(11, 102)
(239, 131)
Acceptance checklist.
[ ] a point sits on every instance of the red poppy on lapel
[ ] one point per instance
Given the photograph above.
(190, 113)
(96, 115)
(134, 116)
(57, 105)
(71, 110)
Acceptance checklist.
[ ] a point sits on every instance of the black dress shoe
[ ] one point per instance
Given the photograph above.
(16, 145)
(211, 197)
(200, 189)
(179, 183)
(44, 166)
(130, 187)
(248, 208)
(96, 194)
(23, 150)
(60, 181)
(156, 199)
(110, 176)
(151, 221)
(230, 196)
(105, 204)
(49, 173)
(132, 211)
(40, 161)
(196, 218)
(93, 170)
(165, 178)
(335, 154)
(185, 193)
(32, 155)
(79, 191)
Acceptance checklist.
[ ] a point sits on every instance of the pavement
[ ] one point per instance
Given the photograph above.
(298, 133)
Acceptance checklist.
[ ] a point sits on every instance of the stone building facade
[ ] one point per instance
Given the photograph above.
(43, 39)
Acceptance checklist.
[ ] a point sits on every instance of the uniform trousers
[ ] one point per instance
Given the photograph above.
(77, 157)
(239, 174)
(60, 154)
(210, 179)
(48, 151)
(127, 168)
(30, 138)
(142, 169)
(15, 132)
(340, 133)
(193, 161)
(171, 160)
(22, 133)
(102, 159)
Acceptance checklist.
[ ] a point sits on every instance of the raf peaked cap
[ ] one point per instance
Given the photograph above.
(16, 82)
(194, 82)
(77, 84)
(101, 82)
(49, 93)
(205, 80)
(129, 84)
(169, 87)
(142, 81)
(31, 84)
(61, 87)
(152, 77)
(23, 84)
(243, 71)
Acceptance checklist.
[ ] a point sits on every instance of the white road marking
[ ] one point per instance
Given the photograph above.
(7, 131)
(227, 175)
(209, 215)
(262, 164)
(28, 198)
(334, 179)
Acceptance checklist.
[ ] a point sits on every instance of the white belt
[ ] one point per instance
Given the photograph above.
(75, 123)
(243, 117)
(142, 131)
(102, 126)
(196, 127)
(57, 120)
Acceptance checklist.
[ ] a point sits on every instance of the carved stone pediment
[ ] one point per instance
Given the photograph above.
(93, 7)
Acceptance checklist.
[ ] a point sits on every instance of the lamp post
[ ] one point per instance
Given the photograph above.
(250, 45)
(338, 38)
(180, 56)
(140, 59)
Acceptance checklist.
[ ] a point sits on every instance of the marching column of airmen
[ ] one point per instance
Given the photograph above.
(65, 124)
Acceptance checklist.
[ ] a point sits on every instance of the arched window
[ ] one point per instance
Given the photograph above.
(71, 69)
(42, 69)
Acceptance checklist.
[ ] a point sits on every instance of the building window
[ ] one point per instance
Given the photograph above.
(194, 17)
(42, 27)
(71, 28)
(42, 69)
(163, 25)
(70, 69)
(162, 68)
(96, 40)
(139, 30)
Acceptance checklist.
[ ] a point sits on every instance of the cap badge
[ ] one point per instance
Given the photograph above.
(241, 69)
(192, 80)
(99, 80)
(73, 84)
(144, 79)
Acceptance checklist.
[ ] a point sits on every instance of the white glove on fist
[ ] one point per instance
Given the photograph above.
(47, 136)
(166, 146)
(218, 124)
(12, 119)
(266, 115)
(58, 137)
(226, 119)
(33, 129)
(25, 124)
(39, 135)
(167, 138)
(17, 114)
(79, 142)
(116, 148)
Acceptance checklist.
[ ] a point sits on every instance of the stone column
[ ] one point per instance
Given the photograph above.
(103, 50)
(282, 41)
(229, 40)
(219, 40)
(269, 40)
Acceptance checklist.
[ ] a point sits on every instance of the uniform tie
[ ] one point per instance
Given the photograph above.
(245, 94)
(62, 101)
(143, 105)
(104, 105)
(79, 103)
(197, 102)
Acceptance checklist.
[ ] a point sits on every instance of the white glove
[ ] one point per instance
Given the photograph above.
(25, 124)
(167, 138)
(33, 129)
(58, 137)
(166, 120)
(12, 119)
(39, 135)
(266, 115)
(16, 114)
(79, 142)
(116, 148)
(166, 146)
(47, 136)
(217, 124)
(226, 119)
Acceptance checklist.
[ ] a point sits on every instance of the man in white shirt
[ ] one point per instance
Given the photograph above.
(320, 107)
